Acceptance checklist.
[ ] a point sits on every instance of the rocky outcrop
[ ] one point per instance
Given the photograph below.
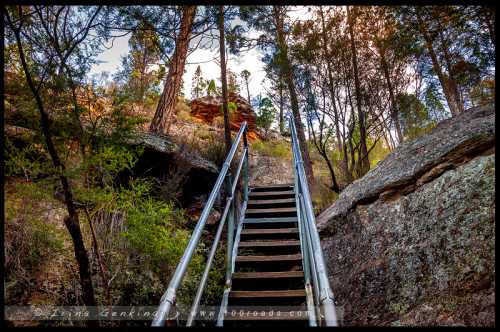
(185, 175)
(207, 108)
(413, 241)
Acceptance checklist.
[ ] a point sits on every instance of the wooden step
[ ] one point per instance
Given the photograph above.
(271, 193)
(271, 210)
(271, 201)
(270, 220)
(268, 275)
(272, 186)
(269, 258)
(261, 294)
(247, 244)
(254, 231)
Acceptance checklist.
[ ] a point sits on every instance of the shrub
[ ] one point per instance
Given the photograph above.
(30, 239)
(278, 149)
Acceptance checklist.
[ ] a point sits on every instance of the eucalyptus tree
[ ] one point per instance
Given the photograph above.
(390, 49)
(320, 137)
(277, 91)
(273, 21)
(459, 50)
(363, 151)
(320, 48)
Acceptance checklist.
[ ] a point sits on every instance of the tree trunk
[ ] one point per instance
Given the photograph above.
(335, 185)
(437, 67)
(363, 153)
(248, 91)
(452, 82)
(352, 153)
(166, 106)
(288, 77)
(222, 45)
(71, 221)
(281, 115)
(345, 167)
(394, 109)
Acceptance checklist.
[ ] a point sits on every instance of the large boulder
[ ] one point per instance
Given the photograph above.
(184, 174)
(413, 241)
(209, 107)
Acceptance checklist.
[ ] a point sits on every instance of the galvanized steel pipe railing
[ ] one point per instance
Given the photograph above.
(314, 263)
(168, 298)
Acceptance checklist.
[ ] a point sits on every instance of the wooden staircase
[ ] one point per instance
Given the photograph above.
(274, 263)
(267, 287)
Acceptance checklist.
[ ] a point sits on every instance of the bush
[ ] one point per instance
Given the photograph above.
(31, 241)
(278, 149)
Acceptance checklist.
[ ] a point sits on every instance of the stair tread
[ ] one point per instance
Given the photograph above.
(268, 258)
(269, 220)
(274, 293)
(268, 275)
(271, 201)
(273, 186)
(274, 243)
(269, 231)
(271, 210)
(271, 193)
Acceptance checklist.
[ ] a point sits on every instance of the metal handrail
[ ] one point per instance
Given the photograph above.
(313, 260)
(168, 298)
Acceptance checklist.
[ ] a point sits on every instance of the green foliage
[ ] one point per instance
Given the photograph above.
(36, 240)
(31, 236)
(104, 165)
(232, 107)
(26, 161)
(266, 114)
(378, 153)
(46, 240)
(322, 196)
(278, 149)
(415, 119)
(117, 126)
(199, 84)
(152, 227)
(232, 83)
(211, 89)
(139, 81)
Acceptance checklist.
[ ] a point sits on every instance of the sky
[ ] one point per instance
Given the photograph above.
(110, 61)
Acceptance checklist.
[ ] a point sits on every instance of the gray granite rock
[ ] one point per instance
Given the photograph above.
(413, 242)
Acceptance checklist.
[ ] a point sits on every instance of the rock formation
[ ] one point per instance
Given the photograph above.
(413, 241)
(207, 108)
(178, 168)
